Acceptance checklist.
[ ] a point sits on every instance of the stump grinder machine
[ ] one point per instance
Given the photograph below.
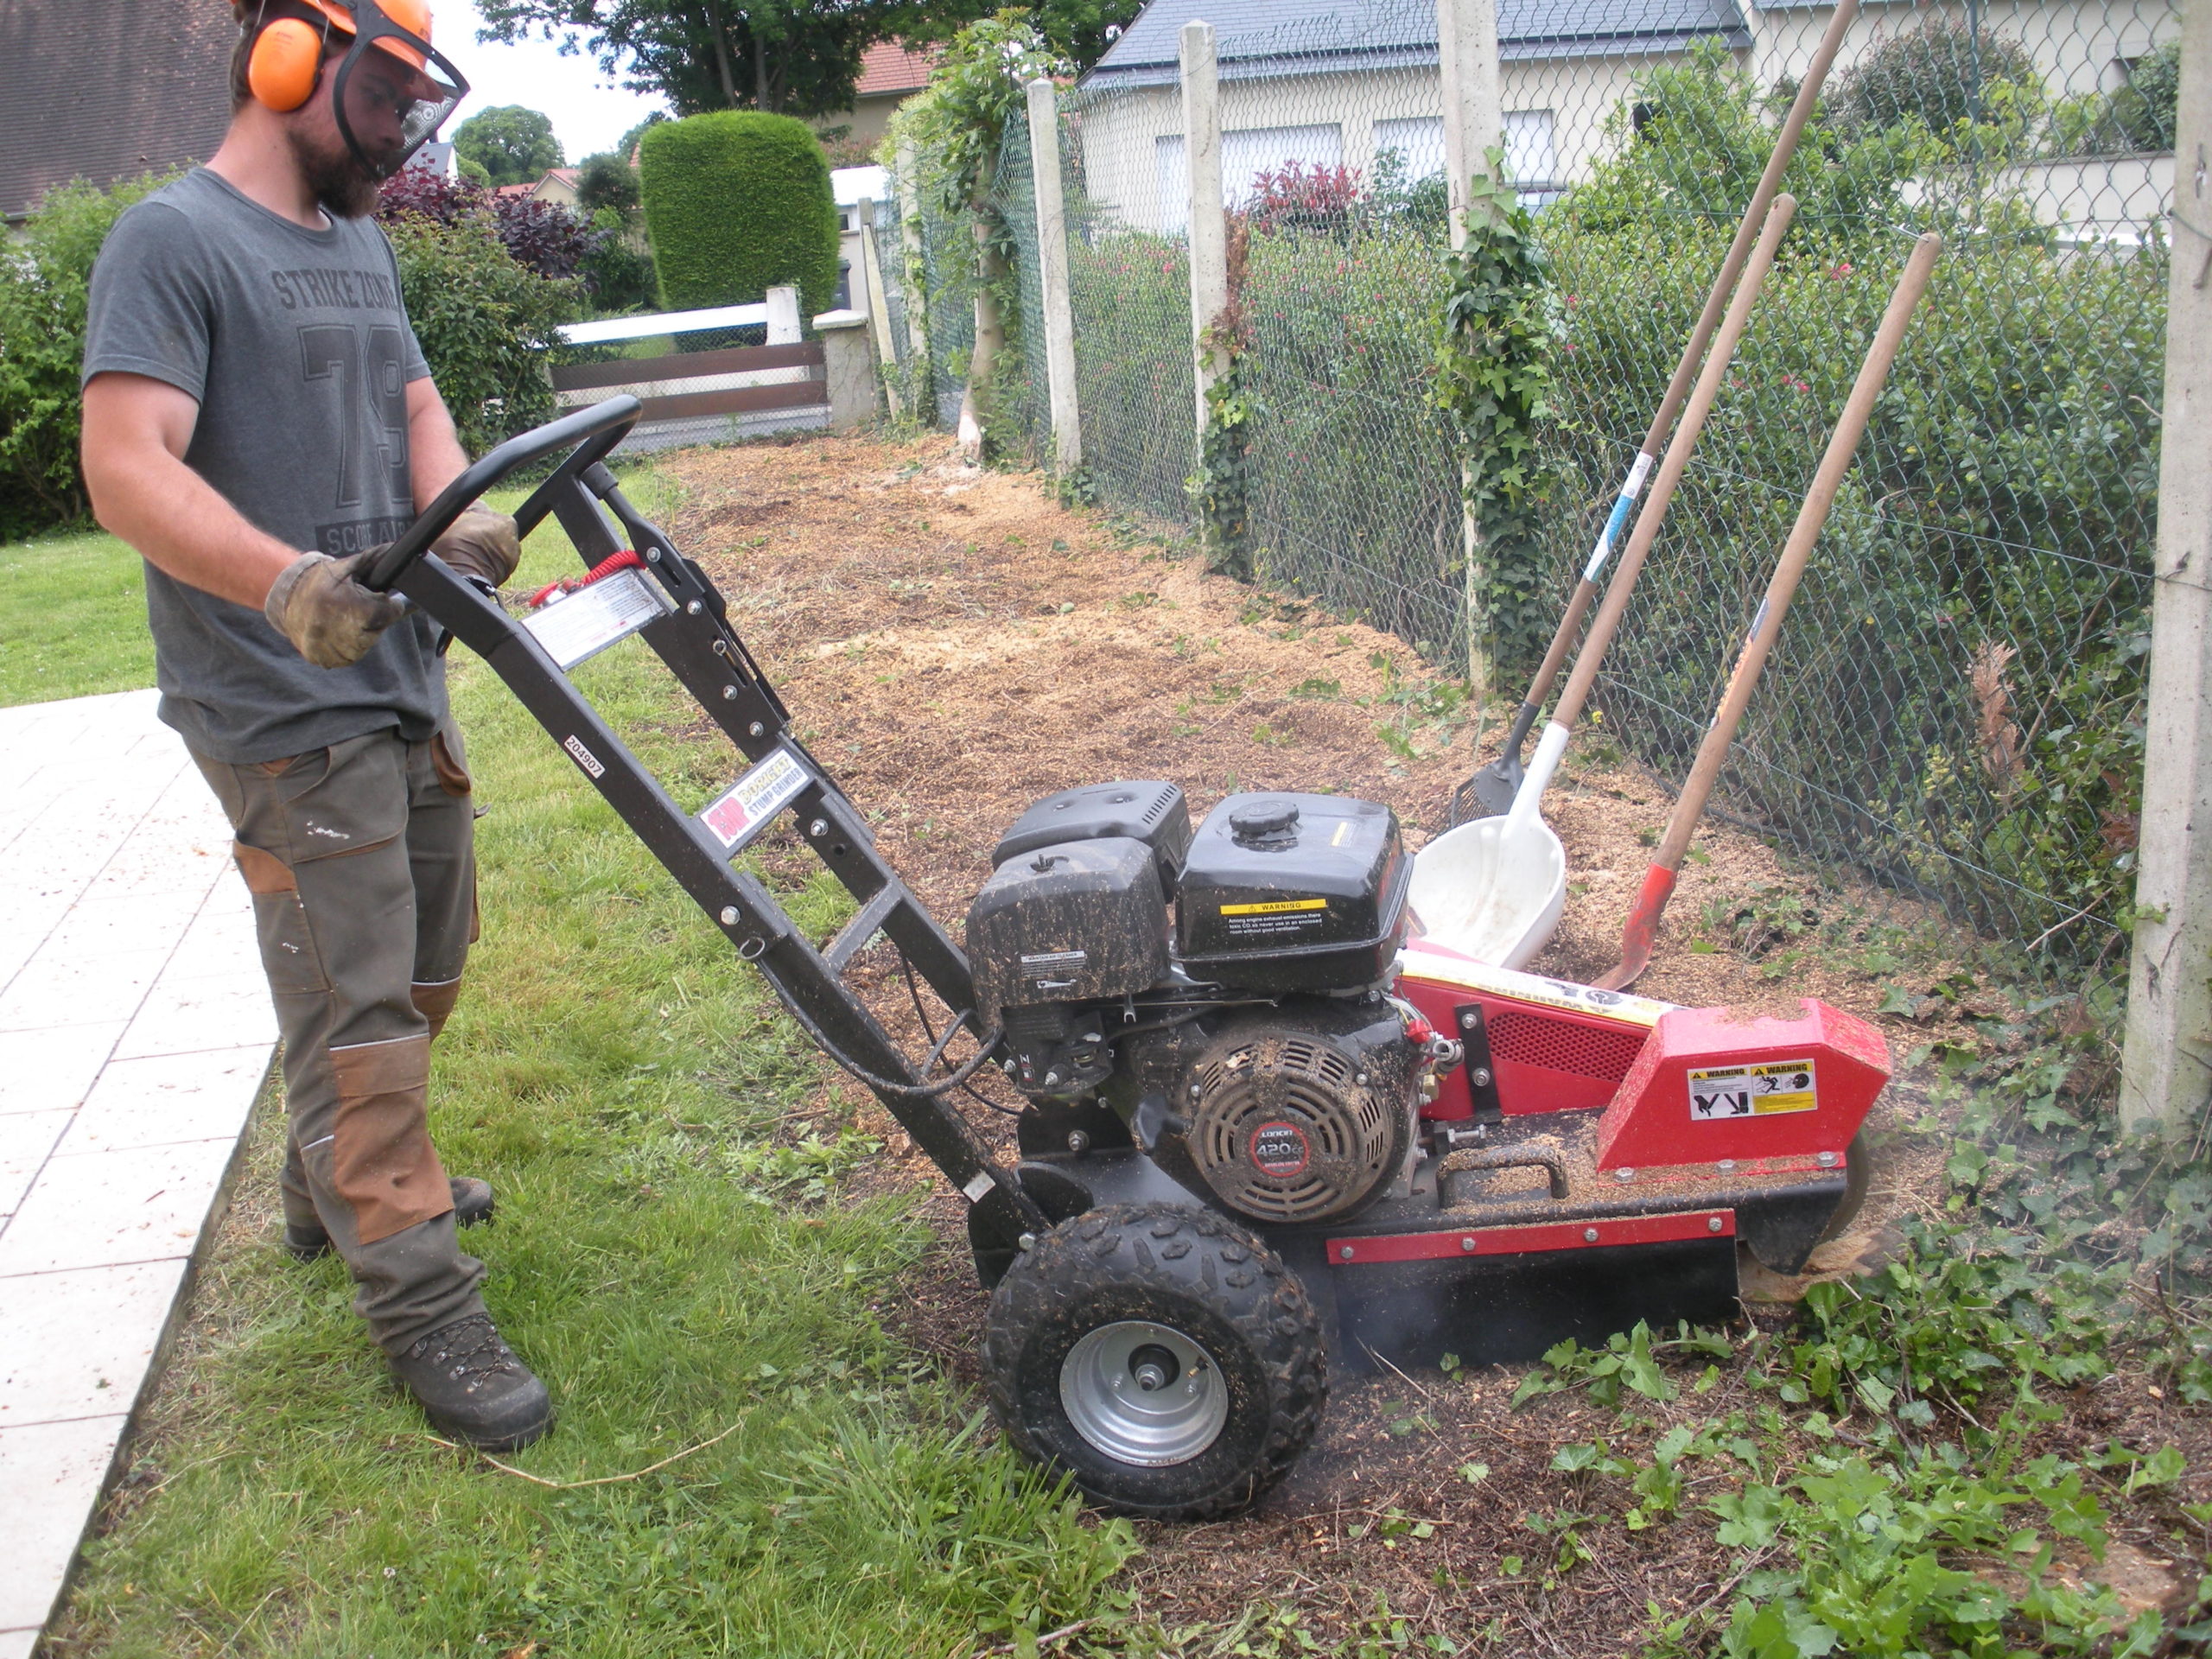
(1265, 1126)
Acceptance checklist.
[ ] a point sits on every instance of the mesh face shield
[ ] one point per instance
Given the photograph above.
(393, 90)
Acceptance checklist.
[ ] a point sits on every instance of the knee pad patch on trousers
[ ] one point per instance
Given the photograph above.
(434, 1002)
(382, 1162)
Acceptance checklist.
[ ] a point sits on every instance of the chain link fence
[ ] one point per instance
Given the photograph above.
(1955, 706)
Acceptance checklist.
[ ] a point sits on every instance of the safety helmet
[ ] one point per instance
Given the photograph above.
(387, 106)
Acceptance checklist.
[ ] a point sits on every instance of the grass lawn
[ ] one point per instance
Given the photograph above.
(668, 1253)
(72, 618)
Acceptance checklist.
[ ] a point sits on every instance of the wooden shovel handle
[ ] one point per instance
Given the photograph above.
(1679, 451)
(1716, 298)
(1766, 622)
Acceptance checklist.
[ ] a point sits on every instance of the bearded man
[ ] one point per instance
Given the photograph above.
(258, 422)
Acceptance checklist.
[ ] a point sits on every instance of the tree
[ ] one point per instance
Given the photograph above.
(956, 126)
(513, 145)
(607, 180)
(792, 57)
(1081, 30)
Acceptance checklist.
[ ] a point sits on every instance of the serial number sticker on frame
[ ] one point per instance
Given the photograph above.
(588, 621)
(1718, 1093)
(743, 809)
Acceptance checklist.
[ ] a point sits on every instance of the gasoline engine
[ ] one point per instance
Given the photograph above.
(1247, 1040)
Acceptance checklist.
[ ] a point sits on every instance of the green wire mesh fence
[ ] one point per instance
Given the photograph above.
(1955, 710)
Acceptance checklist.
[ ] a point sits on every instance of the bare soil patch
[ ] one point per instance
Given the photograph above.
(954, 645)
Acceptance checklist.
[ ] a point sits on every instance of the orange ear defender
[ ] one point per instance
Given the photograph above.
(286, 63)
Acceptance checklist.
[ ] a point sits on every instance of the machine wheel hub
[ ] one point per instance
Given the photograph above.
(1143, 1393)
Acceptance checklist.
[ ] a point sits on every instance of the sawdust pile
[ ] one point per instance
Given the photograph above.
(954, 645)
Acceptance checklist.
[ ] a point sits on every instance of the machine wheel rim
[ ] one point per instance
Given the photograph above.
(1104, 1390)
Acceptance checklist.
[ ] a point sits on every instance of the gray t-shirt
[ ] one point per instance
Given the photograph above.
(296, 346)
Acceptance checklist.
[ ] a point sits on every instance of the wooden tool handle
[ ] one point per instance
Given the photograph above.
(1679, 451)
(1766, 621)
(1678, 386)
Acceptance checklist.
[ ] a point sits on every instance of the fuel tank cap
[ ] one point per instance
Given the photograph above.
(1269, 821)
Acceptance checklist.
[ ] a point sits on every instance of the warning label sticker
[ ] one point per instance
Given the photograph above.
(1719, 1092)
(744, 808)
(1275, 907)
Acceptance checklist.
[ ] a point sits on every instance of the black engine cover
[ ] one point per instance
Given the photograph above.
(1070, 923)
(1293, 892)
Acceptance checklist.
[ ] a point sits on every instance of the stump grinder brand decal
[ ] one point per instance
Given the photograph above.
(1732, 1091)
(1279, 1150)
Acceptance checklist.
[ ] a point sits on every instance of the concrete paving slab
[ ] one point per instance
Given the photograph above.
(53, 1474)
(81, 1343)
(103, 1208)
(165, 1099)
(135, 1033)
(40, 1071)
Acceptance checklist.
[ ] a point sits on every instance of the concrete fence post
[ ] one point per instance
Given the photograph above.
(1466, 49)
(2166, 1067)
(1052, 266)
(879, 310)
(849, 377)
(1466, 53)
(918, 299)
(783, 315)
(1209, 226)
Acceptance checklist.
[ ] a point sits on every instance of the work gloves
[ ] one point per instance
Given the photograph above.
(328, 615)
(317, 603)
(481, 544)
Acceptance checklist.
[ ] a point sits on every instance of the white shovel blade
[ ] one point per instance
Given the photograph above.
(1493, 889)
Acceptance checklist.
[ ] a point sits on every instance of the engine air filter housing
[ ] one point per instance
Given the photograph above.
(1286, 1126)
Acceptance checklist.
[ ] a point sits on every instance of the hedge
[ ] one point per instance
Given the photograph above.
(485, 324)
(44, 280)
(736, 202)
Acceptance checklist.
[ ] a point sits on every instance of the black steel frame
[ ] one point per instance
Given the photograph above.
(701, 648)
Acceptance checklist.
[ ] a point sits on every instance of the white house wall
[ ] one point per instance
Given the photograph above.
(2079, 47)
(1125, 135)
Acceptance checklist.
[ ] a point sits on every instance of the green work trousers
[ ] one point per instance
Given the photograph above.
(361, 862)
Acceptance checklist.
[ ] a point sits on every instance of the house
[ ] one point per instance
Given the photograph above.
(890, 75)
(558, 187)
(1346, 82)
(103, 90)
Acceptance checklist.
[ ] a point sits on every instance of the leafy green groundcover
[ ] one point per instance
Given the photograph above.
(679, 1265)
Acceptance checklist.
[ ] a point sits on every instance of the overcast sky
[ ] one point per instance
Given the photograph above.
(589, 113)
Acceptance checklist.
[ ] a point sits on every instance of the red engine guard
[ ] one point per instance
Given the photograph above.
(1679, 1088)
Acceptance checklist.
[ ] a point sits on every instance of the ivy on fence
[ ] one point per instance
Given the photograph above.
(1499, 329)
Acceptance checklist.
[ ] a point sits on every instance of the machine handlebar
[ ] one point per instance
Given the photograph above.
(609, 421)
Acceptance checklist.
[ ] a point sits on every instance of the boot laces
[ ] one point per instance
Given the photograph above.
(468, 1351)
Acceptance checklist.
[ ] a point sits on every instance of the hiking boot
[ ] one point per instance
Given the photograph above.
(471, 1386)
(472, 1203)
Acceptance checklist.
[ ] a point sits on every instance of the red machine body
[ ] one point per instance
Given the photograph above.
(1682, 1091)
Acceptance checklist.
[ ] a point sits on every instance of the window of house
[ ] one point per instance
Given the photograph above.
(1530, 156)
(1246, 152)
(1419, 144)
(1530, 153)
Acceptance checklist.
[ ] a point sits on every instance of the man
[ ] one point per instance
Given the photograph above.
(258, 421)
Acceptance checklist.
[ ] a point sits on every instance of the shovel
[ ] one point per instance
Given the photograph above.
(1497, 786)
(1766, 622)
(1493, 889)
